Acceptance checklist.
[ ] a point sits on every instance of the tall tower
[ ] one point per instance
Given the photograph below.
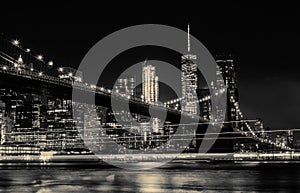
(189, 80)
(150, 84)
(227, 70)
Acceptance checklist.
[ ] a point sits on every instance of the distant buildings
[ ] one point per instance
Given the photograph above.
(29, 122)
(69, 73)
(2, 123)
(204, 105)
(126, 84)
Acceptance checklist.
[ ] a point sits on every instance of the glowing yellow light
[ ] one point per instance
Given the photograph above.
(39, 57)
(16, 42)
(50, 63)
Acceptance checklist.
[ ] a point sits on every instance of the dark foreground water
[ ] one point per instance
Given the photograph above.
(190, 179)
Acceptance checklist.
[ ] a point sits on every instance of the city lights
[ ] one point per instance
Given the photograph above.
(150, 133)
(50, 63)
(16, 42)
(40, 57)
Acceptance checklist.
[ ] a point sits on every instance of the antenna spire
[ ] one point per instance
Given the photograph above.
(189, 43)
(144, 63)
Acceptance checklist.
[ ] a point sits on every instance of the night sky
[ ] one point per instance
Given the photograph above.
(264, 38)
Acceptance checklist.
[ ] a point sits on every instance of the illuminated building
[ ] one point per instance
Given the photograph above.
(2, 122)
(226, 69)
(204, 105)
(150, 90)
(61, 131)
(189, 81)
(126, 85)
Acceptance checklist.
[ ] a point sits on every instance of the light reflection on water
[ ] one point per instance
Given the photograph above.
(158, 180)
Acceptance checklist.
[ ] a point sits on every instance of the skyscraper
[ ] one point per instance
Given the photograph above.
(149, 84)
(226, 69)
(150, 91)
(189, 80)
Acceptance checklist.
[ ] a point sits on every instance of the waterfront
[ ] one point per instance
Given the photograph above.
(276, 178)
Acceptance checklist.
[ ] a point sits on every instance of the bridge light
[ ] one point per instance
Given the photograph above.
(16, 42)
(50, 63)
(20, 60)
(31, 69)
(40, 57)
(70, 74)
(60, 69)
(27, 50)
(40, 73)
(4, 68)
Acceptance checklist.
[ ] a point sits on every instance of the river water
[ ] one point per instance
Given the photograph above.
(184, 179)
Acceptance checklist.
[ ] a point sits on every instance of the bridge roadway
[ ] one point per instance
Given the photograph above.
(31, 81)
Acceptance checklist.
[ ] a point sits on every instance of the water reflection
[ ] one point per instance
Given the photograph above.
(151, 182)
(158, 180)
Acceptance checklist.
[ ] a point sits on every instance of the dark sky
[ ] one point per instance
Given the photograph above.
(263, 37)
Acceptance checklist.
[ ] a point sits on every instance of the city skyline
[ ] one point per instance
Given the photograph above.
(149, 96)
(262, 42)
(26, 118)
